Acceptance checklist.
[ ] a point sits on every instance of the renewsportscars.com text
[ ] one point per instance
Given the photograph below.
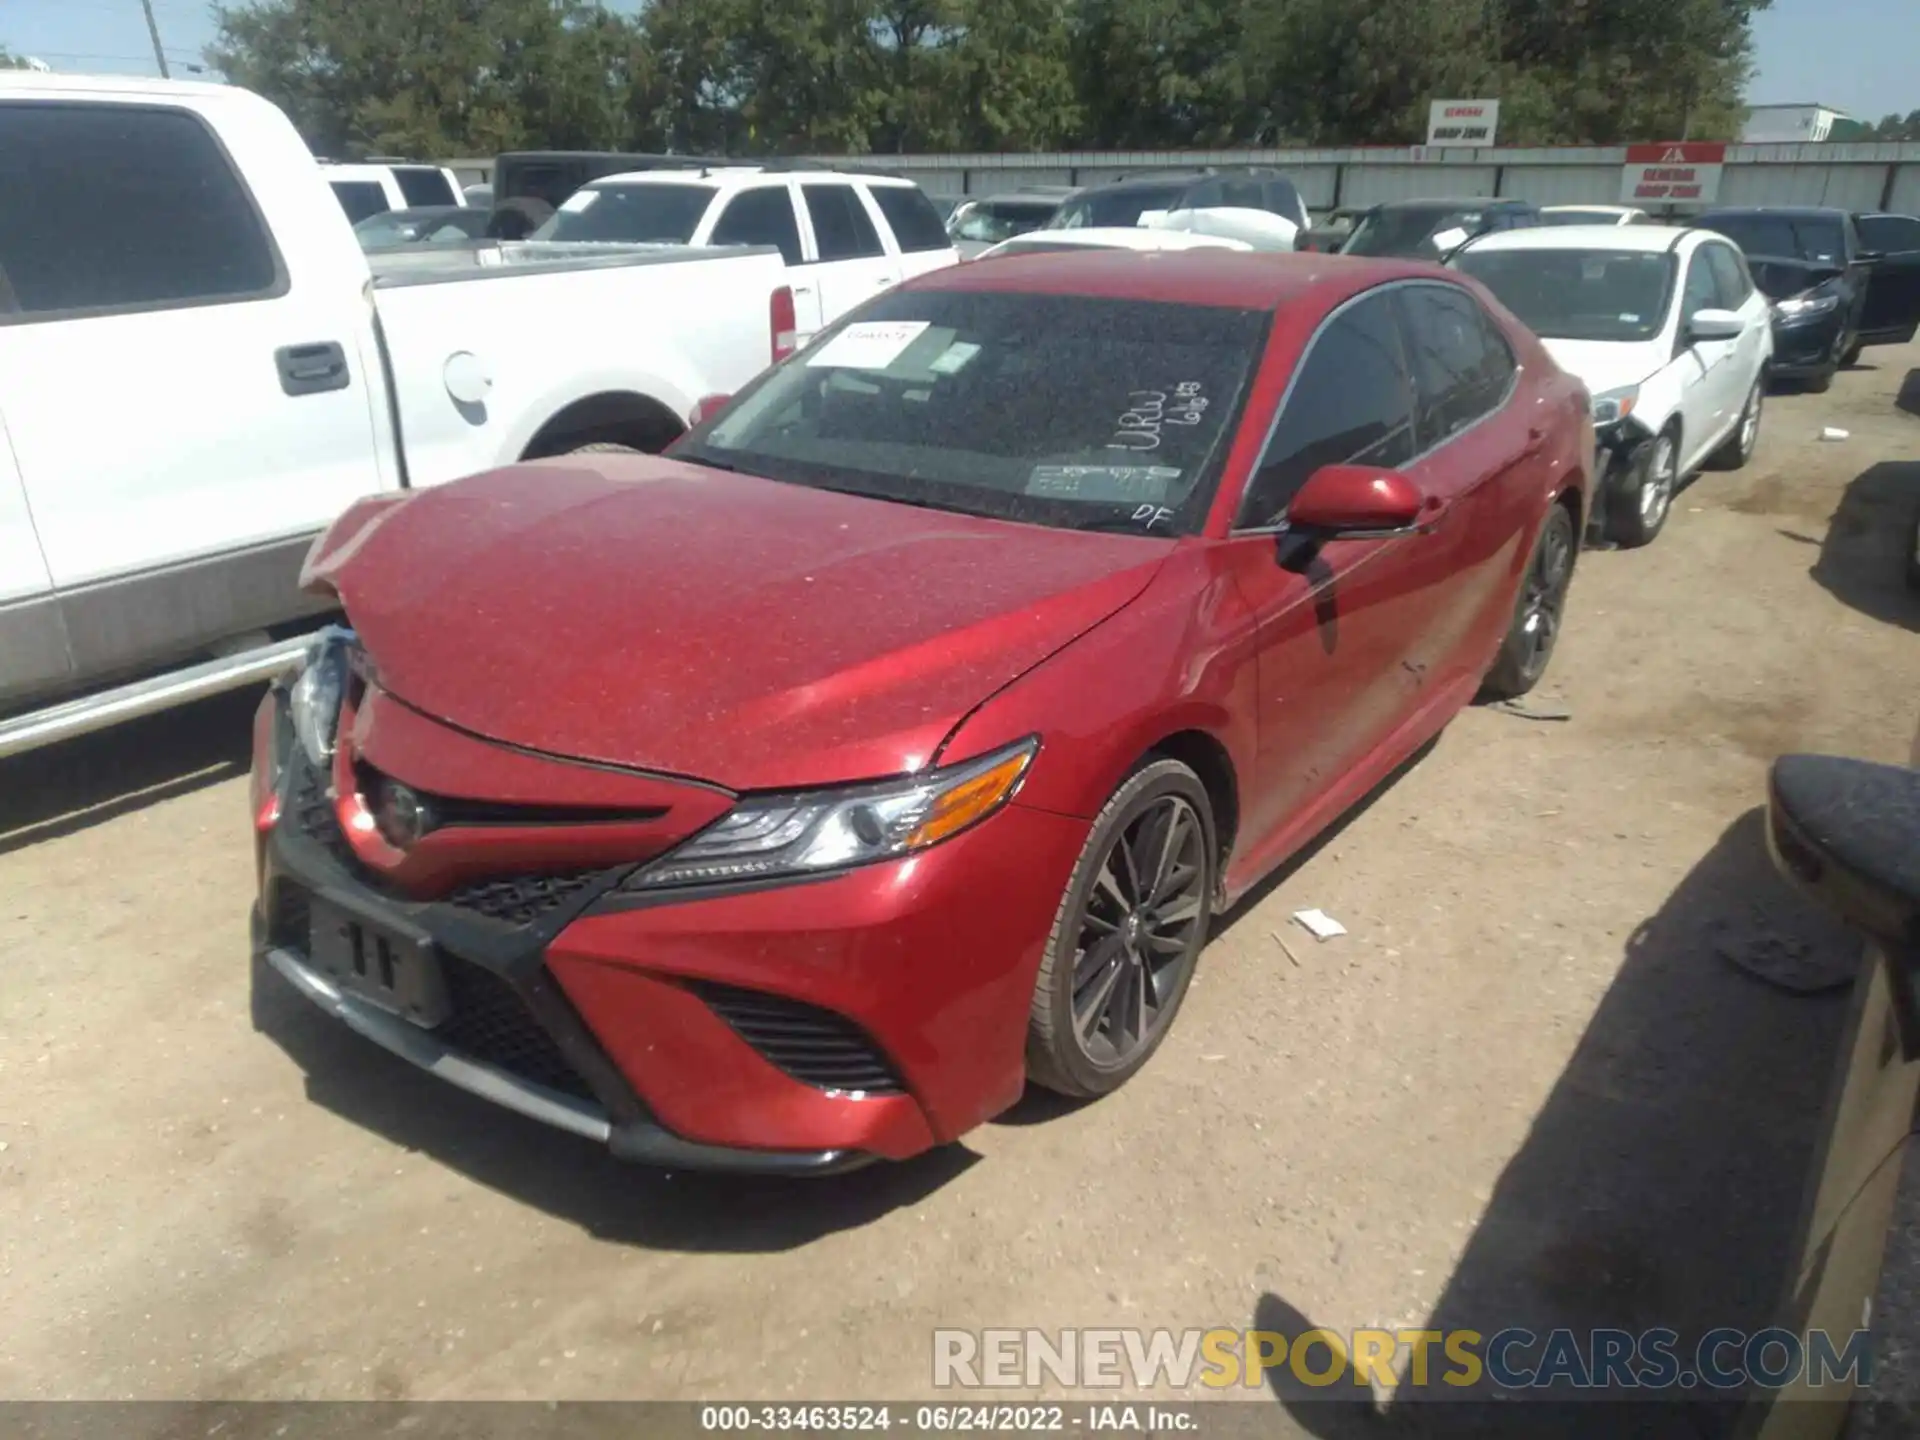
(1449, 1360)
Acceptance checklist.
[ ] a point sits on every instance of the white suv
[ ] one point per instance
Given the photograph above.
(1667, 332)
(846, 236)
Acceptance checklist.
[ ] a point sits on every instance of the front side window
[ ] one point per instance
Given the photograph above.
(661, 213)
(1730, 281)
(1079, 412)
(917, 226)
(1578, 294)
(1890, 234)
(123, 207)
(841, 229)
(1462, 368)
(760, 217)
(1702, 292)
(1350, 404)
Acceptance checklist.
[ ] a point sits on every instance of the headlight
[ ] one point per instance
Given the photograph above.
(1801, 307)
(1615, 405)
(316, 696)
(768, 835)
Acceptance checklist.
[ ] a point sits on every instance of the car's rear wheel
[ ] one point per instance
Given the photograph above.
(1644, 501)
(1537, 612)
(1737, 449)
(1127, 935)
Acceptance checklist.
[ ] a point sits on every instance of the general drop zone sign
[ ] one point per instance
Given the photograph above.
(1462, 122)
(1676, 172)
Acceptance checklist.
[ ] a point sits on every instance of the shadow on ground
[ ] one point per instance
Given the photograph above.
(1662, 1182)
(568, 1177)
(67, 787)
(1863, 560)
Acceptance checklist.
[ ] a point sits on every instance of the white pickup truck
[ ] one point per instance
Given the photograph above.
(200, 367)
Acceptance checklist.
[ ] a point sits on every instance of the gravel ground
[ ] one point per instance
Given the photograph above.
(1528, 1087)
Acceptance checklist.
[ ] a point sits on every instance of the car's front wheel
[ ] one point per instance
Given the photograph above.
(1642, 503)
(1127, 935)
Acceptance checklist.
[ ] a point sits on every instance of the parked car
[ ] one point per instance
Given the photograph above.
(1668, 333)
(1823, 283)
(183, 414)
(428, 225)
(843, 234)
(369, 189)
(1430, 229)
(1123, 202)
(1081, 594)
(1136, 238)
(945, 205)
(1329, 232)
(977, 224)
(1594, 215)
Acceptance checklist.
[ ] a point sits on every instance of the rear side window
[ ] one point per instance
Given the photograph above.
(760, 217)
(361, 199)
(424, 185)
(124, 207)
(1890, 234)
(1730, 281)
(1462, 368)
(916, 224)
(841, 228)
(1351, 403)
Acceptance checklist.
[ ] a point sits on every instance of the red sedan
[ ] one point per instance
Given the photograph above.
(793, 799)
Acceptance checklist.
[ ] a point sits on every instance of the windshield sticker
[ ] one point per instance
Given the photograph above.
(874, 345)
(578, 201)
(1629, 319)
(950, 360)
(1149, 484)
(1141, 425)
(1447, 239)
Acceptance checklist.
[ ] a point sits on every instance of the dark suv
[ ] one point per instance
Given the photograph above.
(1122, 202)
(1433, 229)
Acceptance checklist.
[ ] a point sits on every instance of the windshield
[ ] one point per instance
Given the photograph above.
(658, 214)
(1617, 295)
(1073, 411)
(1408, 230)
(1791, 237)
(994, 221)
(1115, 207)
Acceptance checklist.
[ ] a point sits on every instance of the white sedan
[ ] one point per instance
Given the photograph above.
(1111, 237)
(1667, 332)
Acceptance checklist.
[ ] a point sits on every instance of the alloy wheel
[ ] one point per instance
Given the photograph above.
(1750, 423)
(1140, 931)
(1656, 491)
(1545, 596)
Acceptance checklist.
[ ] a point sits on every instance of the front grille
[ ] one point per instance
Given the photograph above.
(814, 1046)
(523, 899)
(491, 1023)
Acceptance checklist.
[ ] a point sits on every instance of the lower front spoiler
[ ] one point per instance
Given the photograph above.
(637, 1141)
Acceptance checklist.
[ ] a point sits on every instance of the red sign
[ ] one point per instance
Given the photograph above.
(1673, 172)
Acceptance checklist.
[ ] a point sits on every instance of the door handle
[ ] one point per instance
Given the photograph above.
(312, 369)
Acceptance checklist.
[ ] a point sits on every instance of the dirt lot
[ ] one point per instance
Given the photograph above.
(1528, 1086)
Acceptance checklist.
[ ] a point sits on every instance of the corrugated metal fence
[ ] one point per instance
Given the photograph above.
(1855, 177)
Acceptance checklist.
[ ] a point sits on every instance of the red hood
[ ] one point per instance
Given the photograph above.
(648, 613)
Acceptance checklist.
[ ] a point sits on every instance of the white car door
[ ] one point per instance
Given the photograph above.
(1755, 345)
(1706, 368)
(851, 262)
(176, 397)
(33, 644)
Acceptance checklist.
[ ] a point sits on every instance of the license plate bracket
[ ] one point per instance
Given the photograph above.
(389, 965)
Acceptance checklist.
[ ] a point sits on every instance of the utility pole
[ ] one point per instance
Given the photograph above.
(153, 30)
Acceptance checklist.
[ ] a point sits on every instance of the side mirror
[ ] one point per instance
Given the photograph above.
(706, 407)
(1848, 833)
(1355, 502)
(1714, 325)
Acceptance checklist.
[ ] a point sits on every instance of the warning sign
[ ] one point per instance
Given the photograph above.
(1675, 172)
(1462, 122)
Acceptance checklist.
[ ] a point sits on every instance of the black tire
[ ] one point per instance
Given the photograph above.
(1637, 510)
(1737, 449)
(1913, 554)
(1538, 611)
(1097, 1054)
(1851, 357)
(1818, 384)
(604, 447)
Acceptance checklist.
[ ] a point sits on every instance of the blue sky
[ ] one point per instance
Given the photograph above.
(1858, 55)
